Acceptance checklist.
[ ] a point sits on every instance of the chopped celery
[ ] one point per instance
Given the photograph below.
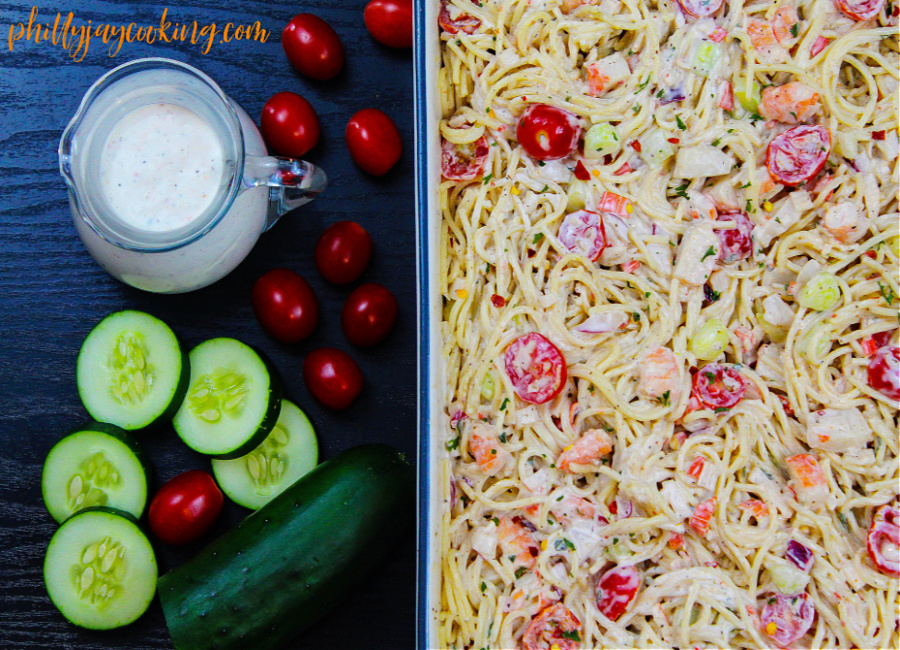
(706, 57)
(656, 149)
(601, 139)
(747, 94)
(787, 579)
(577, 195)
(821, 293)
(710, 340)
(487, 386)
(816, 343)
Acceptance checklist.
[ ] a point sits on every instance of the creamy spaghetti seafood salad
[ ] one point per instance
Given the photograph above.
(669, 265)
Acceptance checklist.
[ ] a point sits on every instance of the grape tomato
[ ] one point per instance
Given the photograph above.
(884, 371)
(582, 232)
(463, 162)
(616, 589)
(343, 252)
(369, 314)
(547, 132)
(313, 47)
(787, 618)
(535, 367)
(289, 124)
(185, 507)
(332, 377)
(453, 20)
(700, 8)
(390, 22)
(735, 243)
(718, 386)
(554, 626)
(798, 154)
(285, 305)
(883, 541)
(374, 141)
(860, 9)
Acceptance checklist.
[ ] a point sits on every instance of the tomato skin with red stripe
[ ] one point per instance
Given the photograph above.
(883, 541)
(798, 154)
(718, 386)
(860, 9)
(883, 372)
(547, 132)
(616, 590)
(463, 162)
(536, 368)
(583, 232)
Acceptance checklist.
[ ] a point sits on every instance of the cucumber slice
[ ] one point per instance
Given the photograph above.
(287, 453)
(233, 400)
(131, 370)
(96, 465)
(100, 570)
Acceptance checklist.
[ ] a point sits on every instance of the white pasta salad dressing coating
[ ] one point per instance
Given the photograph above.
(670, 279)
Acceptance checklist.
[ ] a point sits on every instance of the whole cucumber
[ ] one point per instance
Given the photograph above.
(290, 562)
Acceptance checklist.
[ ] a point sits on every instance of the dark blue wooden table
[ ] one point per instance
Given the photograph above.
(52, 292)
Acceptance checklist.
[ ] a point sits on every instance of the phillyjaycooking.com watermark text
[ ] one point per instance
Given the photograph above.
(77, 39)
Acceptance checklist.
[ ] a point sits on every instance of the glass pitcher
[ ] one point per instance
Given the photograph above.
(254, 191)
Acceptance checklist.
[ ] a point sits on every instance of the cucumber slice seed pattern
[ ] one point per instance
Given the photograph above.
(131, 376)
(266, 464)
(223, 391)
(86, 487)
(99, 574)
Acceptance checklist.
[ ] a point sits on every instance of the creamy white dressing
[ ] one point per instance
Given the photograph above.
(161, 167)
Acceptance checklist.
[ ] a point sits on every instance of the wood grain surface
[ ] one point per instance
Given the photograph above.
(52, 293)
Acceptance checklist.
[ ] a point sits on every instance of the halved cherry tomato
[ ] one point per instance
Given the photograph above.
(553, 627)
(700, 8)
(185, 507)
(289, 124)
(374, 141)
(884, 371)
(787, 618)
(582, 232)
(883, 541)
(453, 20)
(313, 47)
(463, 162)
(369, 314)
(882, 338)
(798, 154)
(547, 132)
(333, 377)
(536, 368)
(616, 589)
(717, 386)
(736, 243)
(390, 22)
(860, 9)
(343, 252)
(285, 305)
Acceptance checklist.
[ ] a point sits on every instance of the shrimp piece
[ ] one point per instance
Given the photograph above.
(572, 5)
(845, 223)
(573, 507)
(516, 542)
(660, 376)
(807, 479)
(756, 508)
(587, 450)
(791, 103)
(786, 25)
(768, 49)
(606, 74)
(485, 448)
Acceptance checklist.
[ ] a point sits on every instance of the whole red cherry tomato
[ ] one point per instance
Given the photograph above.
(332, 377)
(185, 507)
(547, 132)
(289, 124)
(390, 22)
(285, 305)
(313, 47)
(343, 252)
(374, 141)
(369, 314)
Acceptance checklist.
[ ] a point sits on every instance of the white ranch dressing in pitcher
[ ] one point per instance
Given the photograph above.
(161, 167)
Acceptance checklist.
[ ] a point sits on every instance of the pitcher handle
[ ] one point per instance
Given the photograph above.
(291, 182)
